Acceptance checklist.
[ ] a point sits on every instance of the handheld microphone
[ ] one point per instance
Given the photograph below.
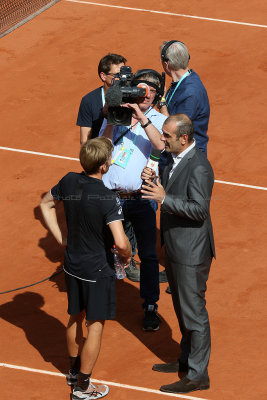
(153, 163)
(153, 160)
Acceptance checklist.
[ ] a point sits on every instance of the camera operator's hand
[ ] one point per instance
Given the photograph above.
(137, 113)
(151, 131)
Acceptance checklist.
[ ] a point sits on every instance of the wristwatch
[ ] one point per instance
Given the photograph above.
(146, 124)
(162, 104)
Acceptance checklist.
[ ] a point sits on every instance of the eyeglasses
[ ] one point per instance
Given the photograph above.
(113, 75)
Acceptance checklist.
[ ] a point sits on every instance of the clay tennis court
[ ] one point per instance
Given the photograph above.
(46, 66)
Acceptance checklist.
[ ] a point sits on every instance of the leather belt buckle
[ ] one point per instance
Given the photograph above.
(129, 195)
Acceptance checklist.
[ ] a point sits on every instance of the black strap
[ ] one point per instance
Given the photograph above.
(121, 136)
(127, 130)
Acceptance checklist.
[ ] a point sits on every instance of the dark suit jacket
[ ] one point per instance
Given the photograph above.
(185, 217)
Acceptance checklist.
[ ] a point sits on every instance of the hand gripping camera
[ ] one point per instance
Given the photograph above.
(127, 87)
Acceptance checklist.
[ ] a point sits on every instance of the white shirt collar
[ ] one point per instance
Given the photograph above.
(181, 155)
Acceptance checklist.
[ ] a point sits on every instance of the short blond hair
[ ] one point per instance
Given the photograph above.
(94, 153)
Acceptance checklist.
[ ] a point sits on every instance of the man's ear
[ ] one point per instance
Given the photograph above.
(166, 66)
(184, 138)
(103, 76)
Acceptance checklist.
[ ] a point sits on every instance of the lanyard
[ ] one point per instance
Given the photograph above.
(176, 87)
(134, 140)
(123, 155)
(128, 129)
(103, 96)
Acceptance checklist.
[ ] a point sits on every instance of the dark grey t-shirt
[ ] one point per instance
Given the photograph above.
(89, 208)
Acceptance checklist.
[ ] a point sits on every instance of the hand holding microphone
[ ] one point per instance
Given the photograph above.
(151, 169)
(153, 190)
(148, 174)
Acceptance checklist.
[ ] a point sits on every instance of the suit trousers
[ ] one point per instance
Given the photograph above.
(188, 285)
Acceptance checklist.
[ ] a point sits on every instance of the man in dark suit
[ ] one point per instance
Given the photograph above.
(186, 229)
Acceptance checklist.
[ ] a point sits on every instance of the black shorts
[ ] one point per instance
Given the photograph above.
(98, 299)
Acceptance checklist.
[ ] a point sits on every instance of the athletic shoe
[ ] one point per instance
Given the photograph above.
(93, 392)
(72, 377)
(151, 319)
(133, 272)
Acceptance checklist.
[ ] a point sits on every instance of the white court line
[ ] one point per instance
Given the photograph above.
(168, 13)
(38, 154)
(242, 185)
(77, 159)
(120, 385)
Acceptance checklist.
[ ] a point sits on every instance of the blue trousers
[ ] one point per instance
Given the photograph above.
(142, 215)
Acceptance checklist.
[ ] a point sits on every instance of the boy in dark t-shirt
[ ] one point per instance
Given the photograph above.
(94, 220)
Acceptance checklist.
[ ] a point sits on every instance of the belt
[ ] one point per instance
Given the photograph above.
(134, 194)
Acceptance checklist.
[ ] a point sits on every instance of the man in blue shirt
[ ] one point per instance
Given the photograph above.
(90, 117)
(129, 157)
(186, 95)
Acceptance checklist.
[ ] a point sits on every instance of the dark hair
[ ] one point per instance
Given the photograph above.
(106, 61)
(94, 153)
(184, 125)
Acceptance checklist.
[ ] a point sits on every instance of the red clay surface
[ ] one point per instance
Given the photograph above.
(46, 66)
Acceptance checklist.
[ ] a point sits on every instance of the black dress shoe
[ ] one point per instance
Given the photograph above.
(186, 386)
(168, 290)
(170, 367)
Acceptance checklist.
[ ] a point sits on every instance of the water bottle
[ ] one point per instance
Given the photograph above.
(119, 266)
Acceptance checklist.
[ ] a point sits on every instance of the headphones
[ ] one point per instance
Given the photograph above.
(160, 89)
(165, 48)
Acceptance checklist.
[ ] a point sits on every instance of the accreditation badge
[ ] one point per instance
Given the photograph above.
(122, 158)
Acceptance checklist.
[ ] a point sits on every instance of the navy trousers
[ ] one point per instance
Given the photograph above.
(142, 215)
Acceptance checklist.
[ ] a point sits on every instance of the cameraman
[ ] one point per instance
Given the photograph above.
(124, 177)
(90, 116)
(90, 119)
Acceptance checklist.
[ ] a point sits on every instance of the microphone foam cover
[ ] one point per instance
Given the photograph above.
(155, 153)
(113, 96)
